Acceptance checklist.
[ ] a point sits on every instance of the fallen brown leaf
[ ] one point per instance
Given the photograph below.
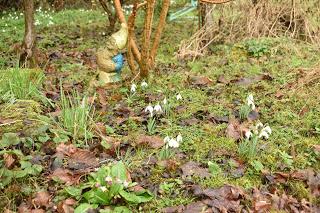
(193, 168)
(65, 176)
(154, 142)
(82, 159)
(9, 160)
(233, 130)
(199, 80)
(41, 199)
(66, 206)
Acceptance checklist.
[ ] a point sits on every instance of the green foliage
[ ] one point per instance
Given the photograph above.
(214, 169)
(21, 84)
(151, 125)
(244, 112)
(248, 148)
(257, 48)
(76, 116)
(105, 185)
(25, 169)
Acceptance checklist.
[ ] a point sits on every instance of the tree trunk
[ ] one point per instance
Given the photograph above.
(28, 50)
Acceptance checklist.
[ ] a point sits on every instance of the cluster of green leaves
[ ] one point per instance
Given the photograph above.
(25, 167)
(257, 48)
(104, 187)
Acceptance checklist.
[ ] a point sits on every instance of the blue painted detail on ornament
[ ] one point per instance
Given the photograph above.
(119, 61)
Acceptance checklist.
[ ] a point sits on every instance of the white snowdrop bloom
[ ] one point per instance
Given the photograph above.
(165, 101)
(50, 23)
(267, 129)
(149, 109)
(248, 134)
(264, 134)
(179, 138)
(250, 102)
(179, 97)
(133, 88)
(21, 14)
(166, 139)
(158, 108)
(125, 184)
(103, 33)
(173, 143)
(259, 125)
(108, 179)
(144, 84)
(103, 188)
(3, 30)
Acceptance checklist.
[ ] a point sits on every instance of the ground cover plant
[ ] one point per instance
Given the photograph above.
(235, 130)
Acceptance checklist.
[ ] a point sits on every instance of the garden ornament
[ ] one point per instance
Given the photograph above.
(110, 59)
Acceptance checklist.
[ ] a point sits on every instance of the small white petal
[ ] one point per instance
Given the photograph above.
(125, 184)
(267, 129)
(248, 134)
(133, 88)
(103, 188)
(264, 135)
(173, 143)
(179, 97)
(179, 138)
(144, 84)
(250, 102)
(259, 125)
(108, 179)
(165, 101)
(158, 108)
(149, 109)
(166, 139)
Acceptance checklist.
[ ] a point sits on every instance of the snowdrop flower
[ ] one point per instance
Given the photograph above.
(158, 108)
(166, 139)
(267, 129)
(165, 101)
(173, 143)
(103, 188)
(108, 179)
(133, 88)
(248, 134)
(149, 109)
(265, 132)
(179, 97)
(264, 135)
(179, 138)
(50, 23)
(250, 102)
(144, 84)
(259, 125)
